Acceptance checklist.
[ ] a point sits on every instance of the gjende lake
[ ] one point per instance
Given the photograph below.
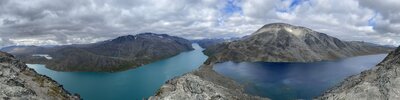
(289, 81)
(134, 84)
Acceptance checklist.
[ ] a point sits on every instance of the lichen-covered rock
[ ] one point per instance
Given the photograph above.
(379, 83)
(202, 84)
(17, 82)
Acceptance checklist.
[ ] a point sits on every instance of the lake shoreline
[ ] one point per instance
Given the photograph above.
(286, 81)
(136, 83)
(207, 73)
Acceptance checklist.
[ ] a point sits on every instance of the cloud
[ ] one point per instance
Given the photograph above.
(66, 21)
(387, 20)
(43, 22)
(389, 15)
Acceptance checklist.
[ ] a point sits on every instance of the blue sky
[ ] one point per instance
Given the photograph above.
(231, 7)
(292, 5)
(58, 22)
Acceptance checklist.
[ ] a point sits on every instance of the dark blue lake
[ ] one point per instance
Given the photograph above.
(289, 81)
(134, 84)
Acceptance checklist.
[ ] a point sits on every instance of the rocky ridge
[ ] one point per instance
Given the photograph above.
(203, 84)
(380, 83)
(18, 82)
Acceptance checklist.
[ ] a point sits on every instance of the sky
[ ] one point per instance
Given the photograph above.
(60, 22)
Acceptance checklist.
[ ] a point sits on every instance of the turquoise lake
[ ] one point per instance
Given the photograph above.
(133, 84)
(290, 81)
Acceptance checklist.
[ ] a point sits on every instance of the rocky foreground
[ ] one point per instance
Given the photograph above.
(280, 42)
(380, 83)
(18, 82)
(203, 84)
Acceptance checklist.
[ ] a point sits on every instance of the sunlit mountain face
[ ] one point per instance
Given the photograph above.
(55, 22)
(199, 49)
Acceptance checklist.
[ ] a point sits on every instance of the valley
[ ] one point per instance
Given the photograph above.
(199, 50)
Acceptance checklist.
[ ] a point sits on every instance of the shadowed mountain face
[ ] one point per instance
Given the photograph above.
(379, 83)
(18, 82)
(279, 42)
(113, 55)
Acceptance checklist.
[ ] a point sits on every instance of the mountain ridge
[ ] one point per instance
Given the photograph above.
(117, 54)
(279, 42)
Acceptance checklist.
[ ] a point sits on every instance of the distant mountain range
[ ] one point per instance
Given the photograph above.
(112, 55)
(280, 42)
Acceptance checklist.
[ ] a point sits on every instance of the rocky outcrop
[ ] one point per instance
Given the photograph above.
(18, 82)
(202, 84)
(380, 83)
(279, 42)
(122, 53)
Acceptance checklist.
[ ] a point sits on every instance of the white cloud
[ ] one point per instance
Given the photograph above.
(42, 22)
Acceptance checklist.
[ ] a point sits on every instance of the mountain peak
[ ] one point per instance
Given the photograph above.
(280, 42)
(140, 35)
(125, 38)
(275, 27)
(147, 33)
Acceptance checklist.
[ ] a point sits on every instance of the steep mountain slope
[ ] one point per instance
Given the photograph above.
(279, 42)
(379, 83)
(18, 82)
(113, 55)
